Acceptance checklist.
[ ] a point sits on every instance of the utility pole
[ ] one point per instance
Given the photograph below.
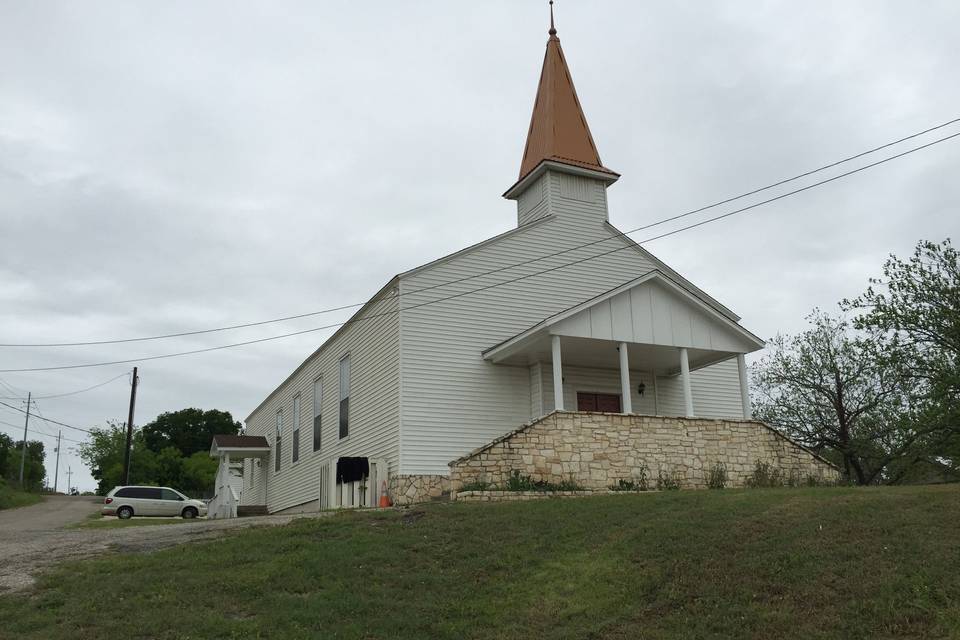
(126, 454)
(69, 475)
(23, 449)
(56, 469)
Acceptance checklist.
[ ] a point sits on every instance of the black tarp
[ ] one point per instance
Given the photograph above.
(352, 469)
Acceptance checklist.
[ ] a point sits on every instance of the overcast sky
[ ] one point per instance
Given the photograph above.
(182, 165)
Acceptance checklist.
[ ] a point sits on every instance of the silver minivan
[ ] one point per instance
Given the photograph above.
(126, 502)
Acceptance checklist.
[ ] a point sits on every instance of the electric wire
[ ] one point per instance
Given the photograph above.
(62, 424)
(71, 393)
(497, 284)
(525, 262)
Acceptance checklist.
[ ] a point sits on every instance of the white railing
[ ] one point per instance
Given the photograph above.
(225, 499)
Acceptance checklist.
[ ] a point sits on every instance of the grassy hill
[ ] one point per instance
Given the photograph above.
(10, 497)
(790, 563)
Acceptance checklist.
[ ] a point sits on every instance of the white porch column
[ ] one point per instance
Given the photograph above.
(685, 380)
(744, 389)
(557, 374)
(625, 378)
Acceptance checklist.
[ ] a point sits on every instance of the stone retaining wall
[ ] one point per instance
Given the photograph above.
(410, 489)
(597, 450)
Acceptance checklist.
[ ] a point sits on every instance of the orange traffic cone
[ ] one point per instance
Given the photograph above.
(384, 498)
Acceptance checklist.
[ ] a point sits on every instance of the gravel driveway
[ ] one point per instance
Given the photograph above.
(33, 538)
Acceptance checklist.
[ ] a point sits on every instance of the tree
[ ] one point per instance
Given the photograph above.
(171, 451)
(34, 470)
(199, 473)
(6, 445)
(916, 306)
(188, 430)
(827, 389)
(104, 453)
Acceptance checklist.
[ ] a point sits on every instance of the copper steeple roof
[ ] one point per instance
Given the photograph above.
(558, 128)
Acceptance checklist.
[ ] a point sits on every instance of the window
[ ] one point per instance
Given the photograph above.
(317, 402)
(296, 428)
(143, 493)
(276, 448)
(169, 494)
(344, 397)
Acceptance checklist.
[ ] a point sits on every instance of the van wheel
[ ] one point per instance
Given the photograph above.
(189, 513)
(124, 513)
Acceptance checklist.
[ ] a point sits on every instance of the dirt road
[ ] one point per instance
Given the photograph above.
(34, 538)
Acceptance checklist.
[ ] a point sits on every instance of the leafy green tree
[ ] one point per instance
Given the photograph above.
(188, 430)
(916, 306)
(827, 389)
(172, 451)
(34, 471)
(6, 446)
(199, 473)
(104, 451)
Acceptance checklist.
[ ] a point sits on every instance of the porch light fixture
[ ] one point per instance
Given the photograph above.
(640, 389)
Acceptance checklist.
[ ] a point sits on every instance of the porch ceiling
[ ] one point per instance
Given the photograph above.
(602, 354)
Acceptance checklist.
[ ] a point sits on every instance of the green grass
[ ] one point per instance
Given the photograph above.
(11, 498)
(782, 563)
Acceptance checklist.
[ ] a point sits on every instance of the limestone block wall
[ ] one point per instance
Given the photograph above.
(410, 489)
(596, 450)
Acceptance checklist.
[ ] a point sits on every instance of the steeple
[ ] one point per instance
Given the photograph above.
(558, 129)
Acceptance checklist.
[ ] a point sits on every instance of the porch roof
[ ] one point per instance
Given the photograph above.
(240, 446)
(653, 314)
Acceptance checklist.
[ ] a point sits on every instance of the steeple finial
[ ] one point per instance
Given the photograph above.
(553, 30)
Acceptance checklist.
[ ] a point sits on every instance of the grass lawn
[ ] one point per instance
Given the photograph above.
(11, 498)
(785, 563)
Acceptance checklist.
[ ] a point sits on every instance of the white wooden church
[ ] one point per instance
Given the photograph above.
(561, 313)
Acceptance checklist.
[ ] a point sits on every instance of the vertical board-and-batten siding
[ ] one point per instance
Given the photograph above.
(373, 344)
(453, 401)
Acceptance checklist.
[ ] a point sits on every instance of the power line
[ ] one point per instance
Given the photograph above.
(18, 429)
(62, 424)
(71, 393)
(497, 284)
(518, 264)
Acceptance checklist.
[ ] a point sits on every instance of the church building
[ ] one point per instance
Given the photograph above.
(560, 350)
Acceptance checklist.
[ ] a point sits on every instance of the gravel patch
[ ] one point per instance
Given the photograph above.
(33, 539)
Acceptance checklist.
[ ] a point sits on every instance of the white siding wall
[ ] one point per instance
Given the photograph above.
(374, 351)
(532, 204)
(716, 392)
(254, 485)
(454, 401)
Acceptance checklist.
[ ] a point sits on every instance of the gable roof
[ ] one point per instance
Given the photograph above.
(654, 274)
(226, 440)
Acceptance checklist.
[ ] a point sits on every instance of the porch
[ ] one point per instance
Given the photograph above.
(632, 350)
(233, 452)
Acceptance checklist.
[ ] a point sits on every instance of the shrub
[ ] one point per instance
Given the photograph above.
(666, 482)
(476, 485)
(637, 483)
(517, 482)
(764, 476)
(718, 476)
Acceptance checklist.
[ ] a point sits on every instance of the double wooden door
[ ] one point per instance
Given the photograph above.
(602, 402)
